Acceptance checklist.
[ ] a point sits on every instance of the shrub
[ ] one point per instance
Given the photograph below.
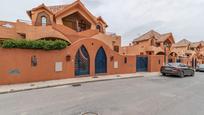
(39, 44)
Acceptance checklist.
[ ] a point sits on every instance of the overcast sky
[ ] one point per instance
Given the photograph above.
(130, 18)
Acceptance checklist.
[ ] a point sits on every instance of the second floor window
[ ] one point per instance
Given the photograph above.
(152, 42)
(43, 21)
(98, 27)
(116, 48)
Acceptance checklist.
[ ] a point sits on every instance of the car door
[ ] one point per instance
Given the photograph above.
(186, 69)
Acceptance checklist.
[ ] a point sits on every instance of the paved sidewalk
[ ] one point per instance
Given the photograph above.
(71, 81)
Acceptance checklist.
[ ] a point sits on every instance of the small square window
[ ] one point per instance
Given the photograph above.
(116, 48)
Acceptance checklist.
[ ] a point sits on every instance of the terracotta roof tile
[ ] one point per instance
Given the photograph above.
(182, 43)
(153, 34)
(147, 36)
(164, 37)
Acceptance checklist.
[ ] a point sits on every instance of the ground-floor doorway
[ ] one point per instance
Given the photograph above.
(141, 63)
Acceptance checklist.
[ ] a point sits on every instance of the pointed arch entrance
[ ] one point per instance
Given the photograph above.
(82, 62)
(101, 61)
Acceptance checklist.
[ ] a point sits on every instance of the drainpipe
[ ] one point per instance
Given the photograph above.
(165, 54)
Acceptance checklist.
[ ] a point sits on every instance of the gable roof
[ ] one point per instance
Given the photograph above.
(164, 37)
(153, 34)
(59, 9)
(147, 36)
(38, 7)
(182, 43)
(195, 44)
(81, 5)
(202, 43)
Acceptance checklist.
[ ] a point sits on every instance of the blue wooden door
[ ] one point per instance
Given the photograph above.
(142, 64)
(101, 61)
(82, 62)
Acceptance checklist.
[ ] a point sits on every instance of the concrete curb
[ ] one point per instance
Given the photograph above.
(64, 84)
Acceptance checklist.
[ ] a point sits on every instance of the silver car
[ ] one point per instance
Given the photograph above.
(200, 68)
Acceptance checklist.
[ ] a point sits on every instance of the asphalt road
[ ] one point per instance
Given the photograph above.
(139, 96)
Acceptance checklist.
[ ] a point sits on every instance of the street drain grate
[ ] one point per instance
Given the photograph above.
(76, 85)
(89, 113)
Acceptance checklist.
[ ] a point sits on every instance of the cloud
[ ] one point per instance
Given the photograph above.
(129, 18)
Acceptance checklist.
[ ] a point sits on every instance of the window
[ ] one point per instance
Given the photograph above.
(150, 53)
(82, 25)
(43, 21)
(152, 42)
(157, 44)
(125, 60)
(192, 49)
(178, 60)
(98, 27)
(116, 48)
(34, 61)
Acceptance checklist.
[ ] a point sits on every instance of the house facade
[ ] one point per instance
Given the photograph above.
(92, 50)
(151, 43)
(190, 53)
(69, 22)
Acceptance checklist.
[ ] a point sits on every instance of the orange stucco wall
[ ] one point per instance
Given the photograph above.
(155, 63)
(20, 60)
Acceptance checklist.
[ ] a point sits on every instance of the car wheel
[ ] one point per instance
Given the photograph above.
(182, 74)
(163, 74)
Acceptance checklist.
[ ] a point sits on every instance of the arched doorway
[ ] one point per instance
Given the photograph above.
(82, 62)
(101, 61)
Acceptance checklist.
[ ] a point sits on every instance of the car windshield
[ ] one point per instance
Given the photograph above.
(176, 65)
(201, 66)
(173, 64)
